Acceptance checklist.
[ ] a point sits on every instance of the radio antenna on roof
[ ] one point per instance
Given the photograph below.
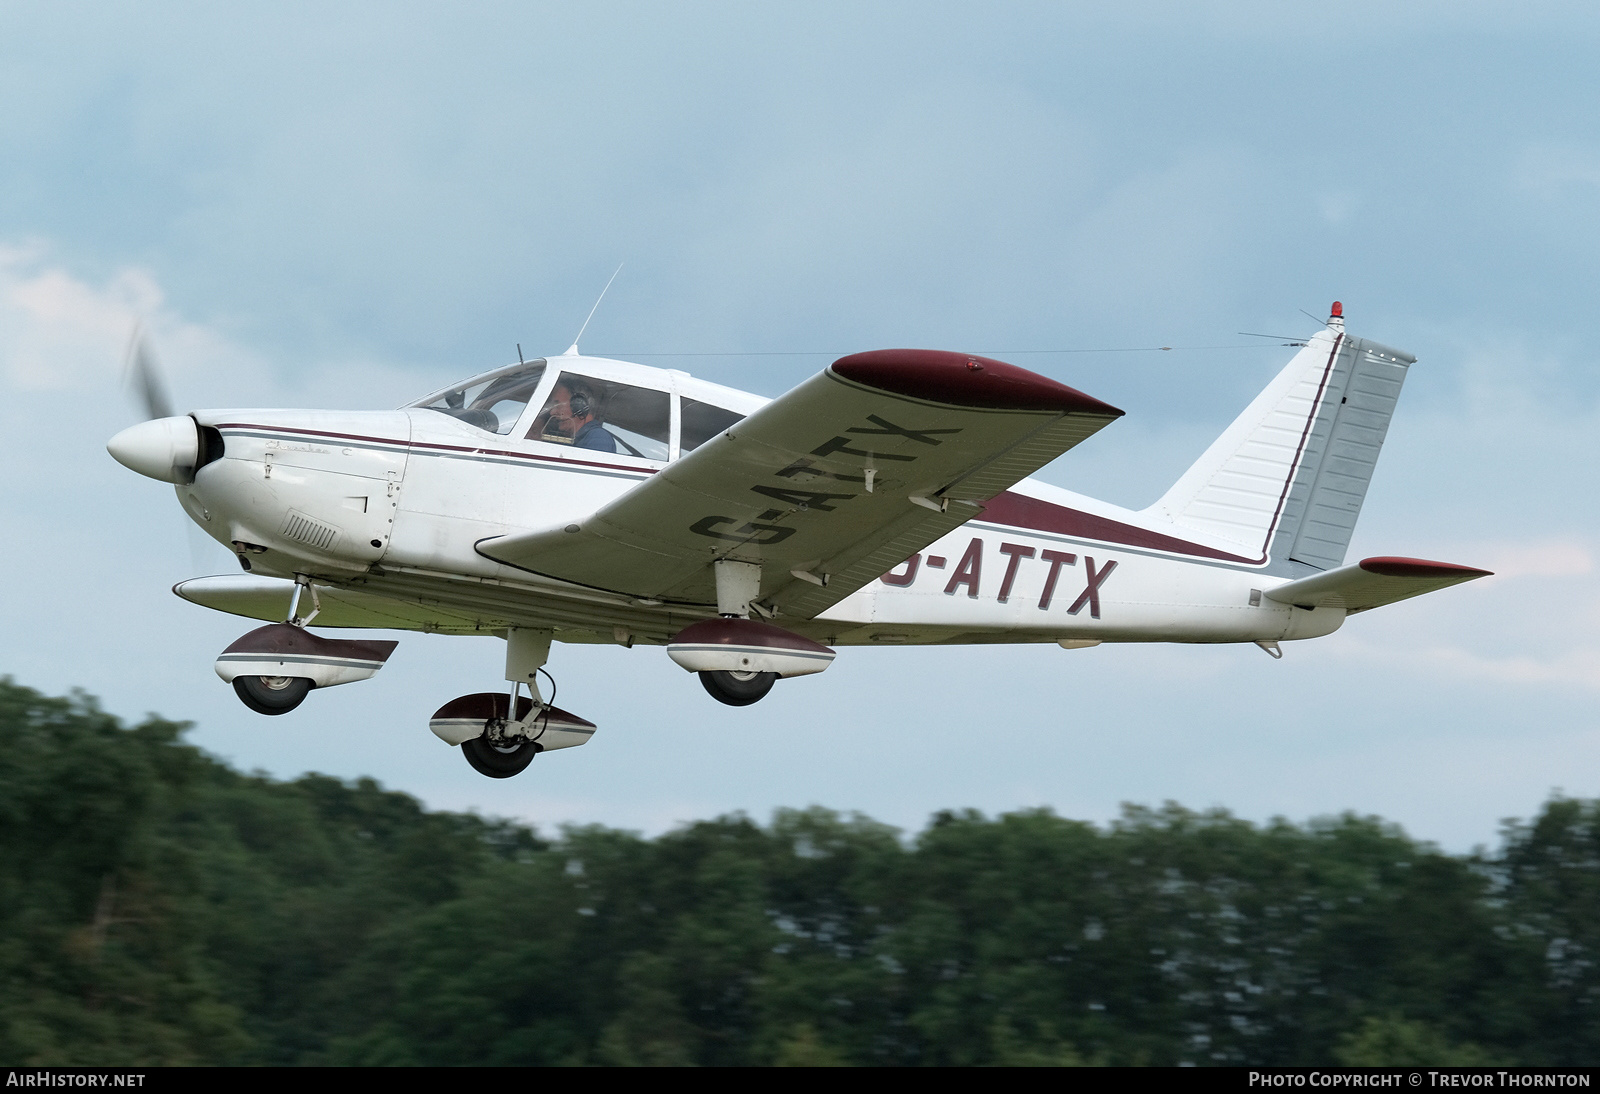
(572, 350)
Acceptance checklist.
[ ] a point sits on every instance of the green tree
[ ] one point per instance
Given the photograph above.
(1549, 889)
(99, 906)
(158, 907)
(1391, 1041)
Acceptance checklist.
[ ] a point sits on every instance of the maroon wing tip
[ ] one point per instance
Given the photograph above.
(1419, 567)
(963, 379)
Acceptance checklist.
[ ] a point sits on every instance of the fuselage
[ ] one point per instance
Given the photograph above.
(393, 504)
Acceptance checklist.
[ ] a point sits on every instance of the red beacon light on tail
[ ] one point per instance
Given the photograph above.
(1336, 316)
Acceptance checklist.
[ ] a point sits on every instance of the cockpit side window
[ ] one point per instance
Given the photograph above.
(701, 422)
(493, 402)
(605, 416)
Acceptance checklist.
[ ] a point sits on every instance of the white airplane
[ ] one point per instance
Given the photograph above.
(885, 501)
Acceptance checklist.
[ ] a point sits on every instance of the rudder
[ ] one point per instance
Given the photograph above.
(1285, 482)
(1322, 506)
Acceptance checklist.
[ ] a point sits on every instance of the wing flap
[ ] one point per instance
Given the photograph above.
(840, 479)
(1373, 582)
(1017, 463)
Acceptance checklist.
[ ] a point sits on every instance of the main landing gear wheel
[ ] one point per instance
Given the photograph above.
(738, 689)
(272, 694)
(499, 759)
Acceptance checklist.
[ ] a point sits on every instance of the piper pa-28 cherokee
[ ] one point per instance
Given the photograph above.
(883, 501)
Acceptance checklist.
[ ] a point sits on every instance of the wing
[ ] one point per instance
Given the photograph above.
(827, 487)
(1372, 583)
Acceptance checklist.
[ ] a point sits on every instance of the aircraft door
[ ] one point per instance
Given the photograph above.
(702, 421)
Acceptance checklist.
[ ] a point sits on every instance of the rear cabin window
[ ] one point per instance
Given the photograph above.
(605, 416)
(702, 421)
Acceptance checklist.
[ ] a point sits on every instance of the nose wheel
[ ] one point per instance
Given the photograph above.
(499, 759)
(272, 694)
(499, 747)
(738, 689)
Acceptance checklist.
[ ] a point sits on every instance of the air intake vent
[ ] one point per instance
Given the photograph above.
(308, 530)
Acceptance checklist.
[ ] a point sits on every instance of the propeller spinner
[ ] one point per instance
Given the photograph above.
(167, 447)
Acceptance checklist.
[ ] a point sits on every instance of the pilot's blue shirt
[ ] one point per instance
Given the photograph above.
(595, 436)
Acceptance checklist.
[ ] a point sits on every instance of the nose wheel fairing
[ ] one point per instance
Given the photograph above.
(483, 714)
(284, 651)
(498, 746)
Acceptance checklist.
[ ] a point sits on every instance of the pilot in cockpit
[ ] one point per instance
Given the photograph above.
(573, 416)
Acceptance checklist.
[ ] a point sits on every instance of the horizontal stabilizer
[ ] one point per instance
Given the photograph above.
(1372, 583)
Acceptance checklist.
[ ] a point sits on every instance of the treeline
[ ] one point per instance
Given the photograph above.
(158, 907)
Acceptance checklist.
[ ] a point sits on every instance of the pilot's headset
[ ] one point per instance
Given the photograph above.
(581, 402)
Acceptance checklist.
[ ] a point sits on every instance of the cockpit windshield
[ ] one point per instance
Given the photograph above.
(492, 402)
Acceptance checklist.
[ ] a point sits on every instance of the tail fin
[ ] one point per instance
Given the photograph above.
(1286, 480)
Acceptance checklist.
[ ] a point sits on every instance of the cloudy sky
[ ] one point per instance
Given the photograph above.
(349, 205)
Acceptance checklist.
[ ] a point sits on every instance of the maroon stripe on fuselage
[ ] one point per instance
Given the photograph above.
(1008, 508)
(432, 445)
(1021, 511)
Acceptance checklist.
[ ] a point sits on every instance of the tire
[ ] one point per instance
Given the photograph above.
(499, 761)
(272, 694)
(738, 689)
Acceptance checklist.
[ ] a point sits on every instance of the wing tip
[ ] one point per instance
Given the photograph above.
(964, 379)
